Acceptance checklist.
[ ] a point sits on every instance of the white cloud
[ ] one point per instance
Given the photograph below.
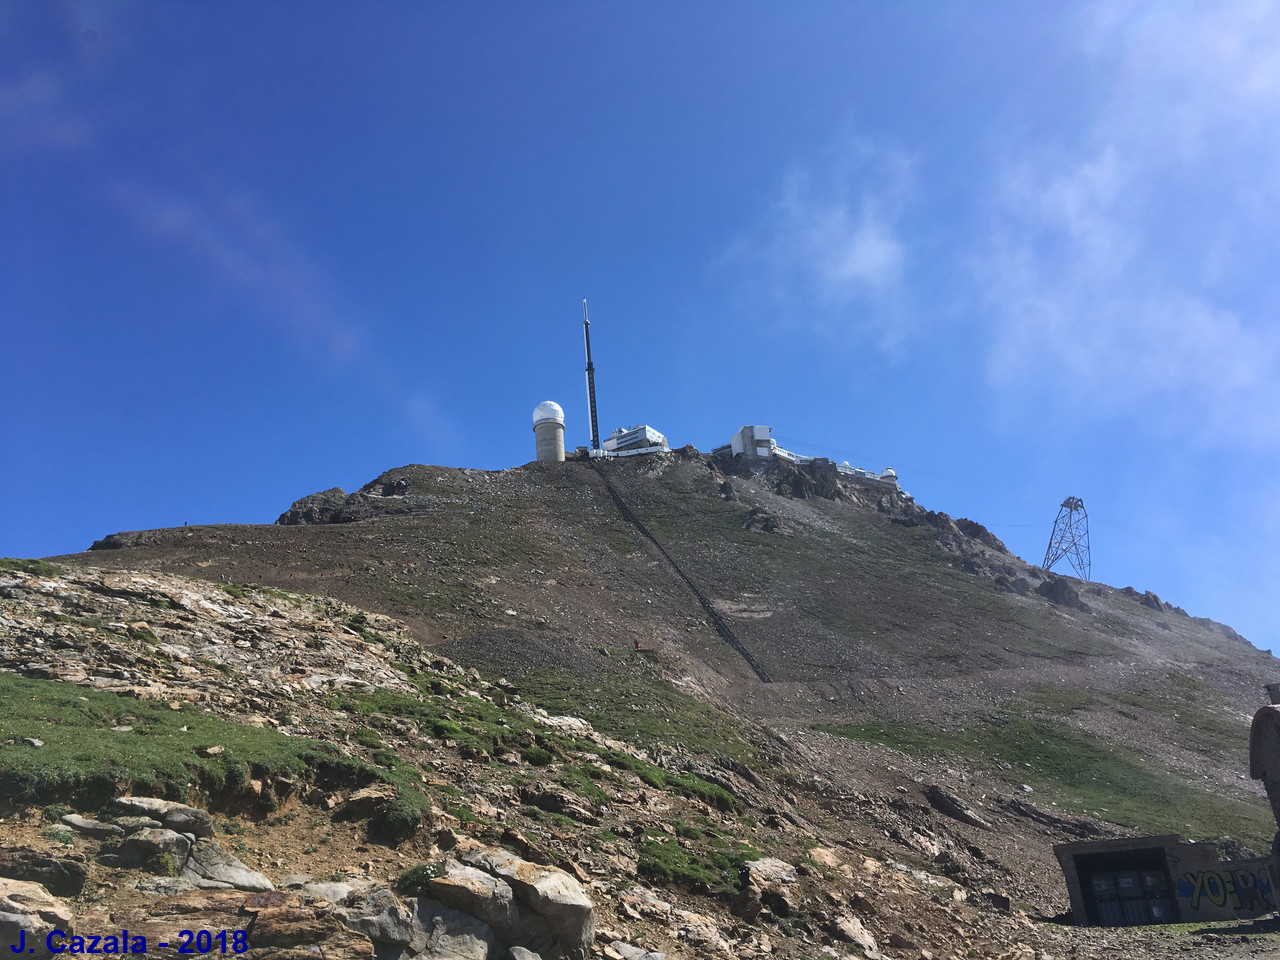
(34, 116)
(239, 244)
(828, 251)
(845, 248)
(1121, 271)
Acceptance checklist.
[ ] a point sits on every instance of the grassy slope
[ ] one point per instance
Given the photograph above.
(157, 749)
(852, 596)
(1082, 774)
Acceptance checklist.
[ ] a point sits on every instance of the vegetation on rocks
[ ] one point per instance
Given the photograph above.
(37, 568)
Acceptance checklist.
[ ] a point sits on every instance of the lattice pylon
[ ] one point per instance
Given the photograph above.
(1070, 538)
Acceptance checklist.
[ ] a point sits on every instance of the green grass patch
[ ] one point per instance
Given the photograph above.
(537, 757)
(1058, 700)
(580, 783)
(698, 866)
(643, 712)
(463, 814)
(1084, 774)
(415, 879)
(665, 861)
(473, 724)
(368, 737)
(1206, 723)
(688, 785)
(37, 568)
(84, 761)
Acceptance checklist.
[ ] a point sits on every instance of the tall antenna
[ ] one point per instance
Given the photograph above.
(1070, 538)
(591, 380)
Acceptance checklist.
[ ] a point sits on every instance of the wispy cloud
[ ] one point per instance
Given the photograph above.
(34, 115)
(829, 248)
(240, 245)
(234, 240)
(1118, 270)
(238, 241)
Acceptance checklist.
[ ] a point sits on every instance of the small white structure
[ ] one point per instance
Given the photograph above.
(754, 442)
(643, 437)
(548, 430)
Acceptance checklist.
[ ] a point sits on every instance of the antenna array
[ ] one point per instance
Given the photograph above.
(591, 380)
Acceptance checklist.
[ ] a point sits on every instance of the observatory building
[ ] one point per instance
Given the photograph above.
(641, 439)
(757, 443)
(548, 430)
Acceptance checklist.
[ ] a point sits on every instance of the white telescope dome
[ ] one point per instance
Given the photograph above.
(548, 410)
(888, 473)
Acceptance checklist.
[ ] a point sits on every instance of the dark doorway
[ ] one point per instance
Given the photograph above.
(1127, 888)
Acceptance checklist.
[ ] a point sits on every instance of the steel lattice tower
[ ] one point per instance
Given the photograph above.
(1070, 538)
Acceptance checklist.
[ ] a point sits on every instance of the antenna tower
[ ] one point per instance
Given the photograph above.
(591, 380)
(1070, 538)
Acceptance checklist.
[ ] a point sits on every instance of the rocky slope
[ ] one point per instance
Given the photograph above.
(569, 663)
(525, 831)
(859, 608)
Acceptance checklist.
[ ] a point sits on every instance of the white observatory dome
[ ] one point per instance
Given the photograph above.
(548, 410)
(888, 473)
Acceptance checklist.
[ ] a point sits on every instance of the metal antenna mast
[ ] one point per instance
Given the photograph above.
(591, 380)
(1070, 538)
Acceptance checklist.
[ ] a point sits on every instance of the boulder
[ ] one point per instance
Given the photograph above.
(630, 952)
(948, 803)
(382, 918)
(478, 893)
(553, 799)
(189, 820)
(449, 934)
(366, 802)
(282, 926)
(849, 929)
(320, 507)
(29, 909)
(134, 824)
(165, 886)
(333, 891)
(157, 849)
(177, 817)
(767, 871)
(209, 866)
(1058, 590)
(61, 876)
(153, 807)
(91, 828)
(747, 903)
(550, 892)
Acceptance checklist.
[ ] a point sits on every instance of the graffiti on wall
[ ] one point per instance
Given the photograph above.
(1245, 886)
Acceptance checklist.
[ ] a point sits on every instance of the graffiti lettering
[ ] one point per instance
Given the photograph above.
(1247, 892)
(1211, 883)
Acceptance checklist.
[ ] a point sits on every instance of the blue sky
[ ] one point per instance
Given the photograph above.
(1016, 251)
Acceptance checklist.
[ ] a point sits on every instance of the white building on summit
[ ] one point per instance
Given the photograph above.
(635, 439)
(757, 443)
